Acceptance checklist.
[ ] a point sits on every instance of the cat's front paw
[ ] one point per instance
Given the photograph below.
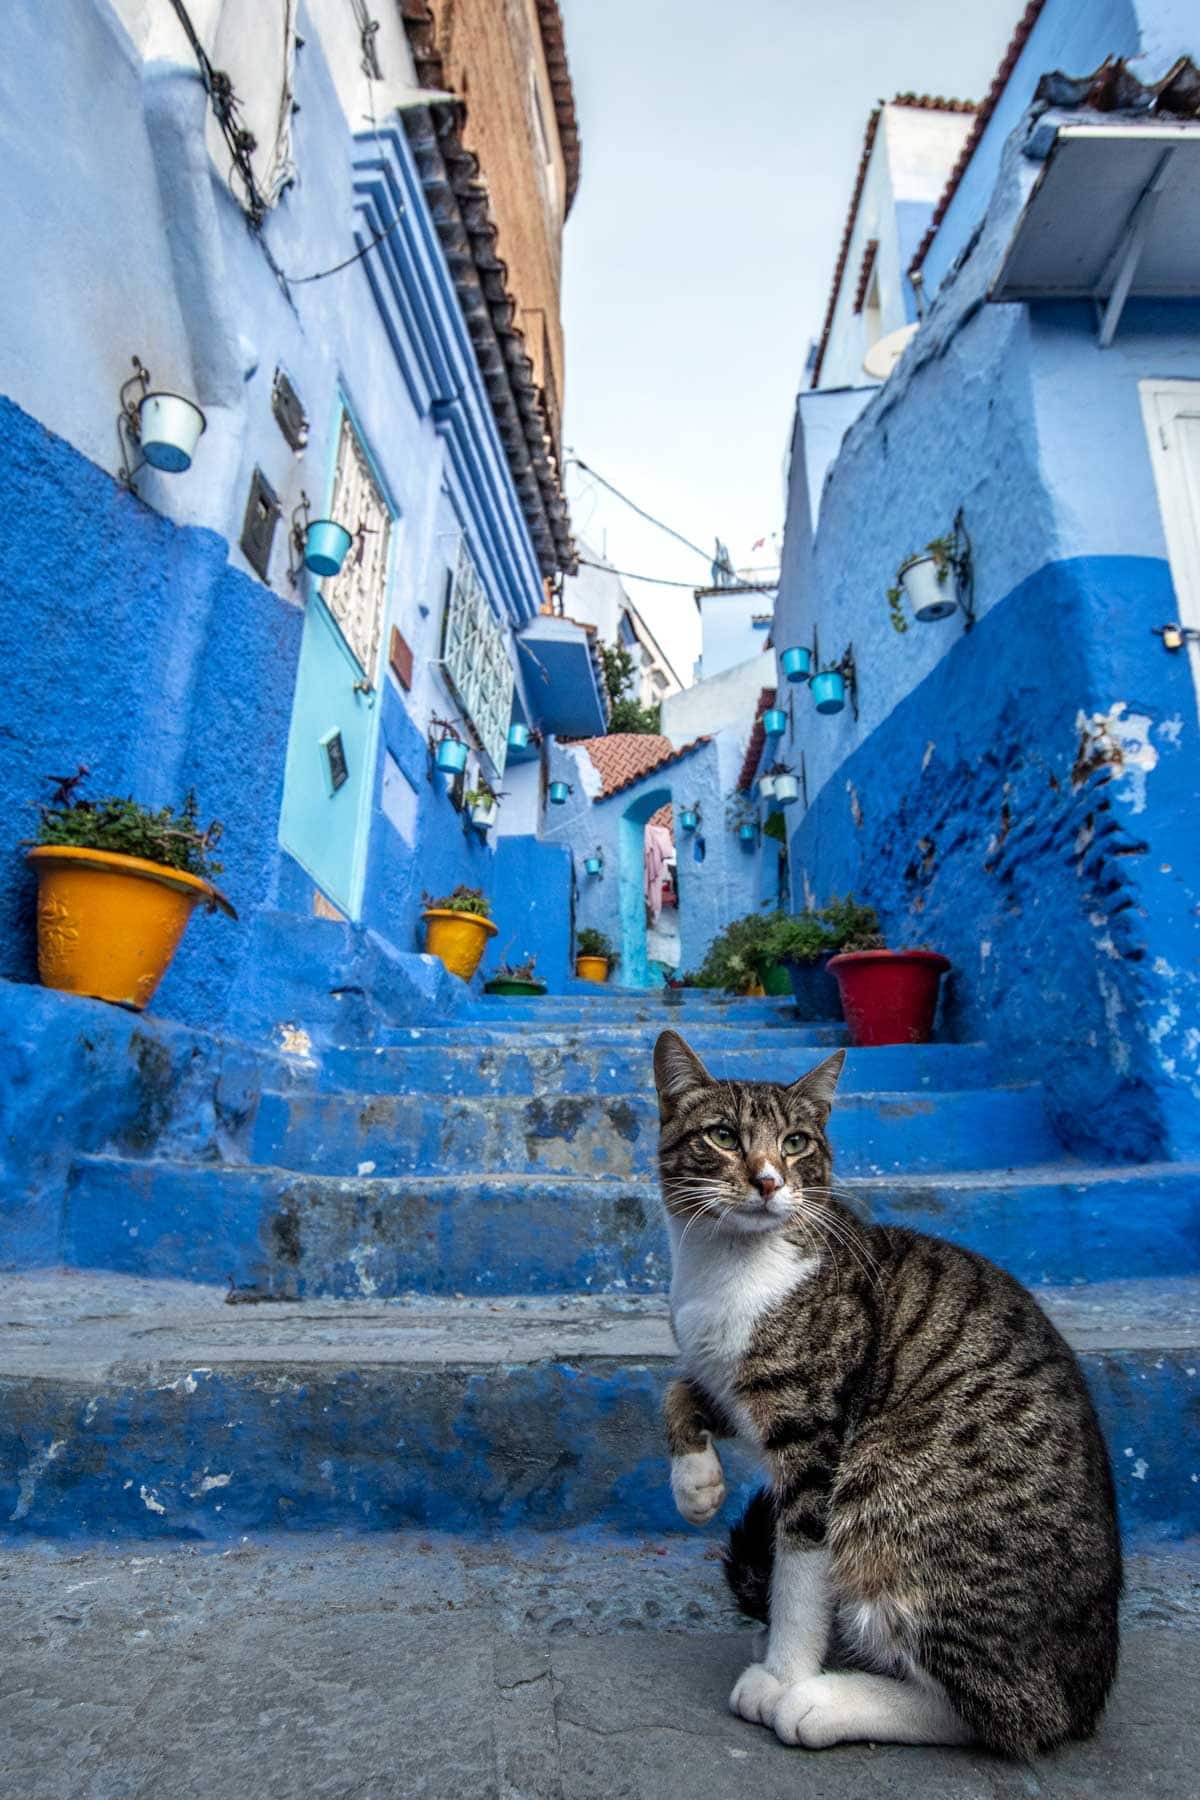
(698, 1485)
(756, 1693)
(808, 1713)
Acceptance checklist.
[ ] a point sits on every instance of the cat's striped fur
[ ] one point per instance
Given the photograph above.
(939, 1487)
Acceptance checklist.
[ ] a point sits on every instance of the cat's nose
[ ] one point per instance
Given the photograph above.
(767, 1180)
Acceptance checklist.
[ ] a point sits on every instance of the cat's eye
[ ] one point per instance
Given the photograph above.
(722, 1136)
(796, 1143)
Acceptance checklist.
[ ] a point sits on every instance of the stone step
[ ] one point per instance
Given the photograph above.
(492, 1234)
(787, 1039)
(463, 1070)
(617, 1134)
(154, 1409)
(533, 1666)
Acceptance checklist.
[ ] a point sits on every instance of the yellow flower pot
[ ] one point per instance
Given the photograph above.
(108, 925)
(457, 937)
(591, 968)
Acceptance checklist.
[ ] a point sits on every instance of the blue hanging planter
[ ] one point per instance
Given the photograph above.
(451, 756)
(747, 833)
(592, 864)
(829, 691)
(325, 546)
(518, 737)
(796, 662)
(688, 819)
(774, 721)
(558, 793)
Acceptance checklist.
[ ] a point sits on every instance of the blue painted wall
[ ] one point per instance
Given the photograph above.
(139, 640)
(1018, 796)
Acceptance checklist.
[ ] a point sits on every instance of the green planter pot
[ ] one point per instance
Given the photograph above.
(500, 984)
(777, 980)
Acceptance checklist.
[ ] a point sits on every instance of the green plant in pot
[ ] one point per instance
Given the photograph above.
(888, 996)
(595, 954)
(457, 927)
(117, 884)
(517, 979)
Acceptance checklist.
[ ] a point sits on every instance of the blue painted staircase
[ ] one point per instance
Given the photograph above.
(449, 1271)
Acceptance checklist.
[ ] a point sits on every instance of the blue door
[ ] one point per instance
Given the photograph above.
(330, 773)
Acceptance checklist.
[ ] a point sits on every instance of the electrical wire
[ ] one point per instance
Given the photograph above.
(641, 511)
(744, 587)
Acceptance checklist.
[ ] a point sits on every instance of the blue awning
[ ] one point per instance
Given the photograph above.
(563, 683)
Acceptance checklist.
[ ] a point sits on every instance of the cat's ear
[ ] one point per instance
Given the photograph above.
(819, 1084)
(677, 1071)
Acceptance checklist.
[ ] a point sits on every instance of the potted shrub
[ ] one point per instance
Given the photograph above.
(741, 816)
(483, 806)
(594, 955)
(742, 959)
(928, 579)
(117, 884)
(457, 928)
(888, 996)
(803, 946)
(516, 978)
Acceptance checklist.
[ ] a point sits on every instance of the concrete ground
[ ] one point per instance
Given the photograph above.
(525, 1668)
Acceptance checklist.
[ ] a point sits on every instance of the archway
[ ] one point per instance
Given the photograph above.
(636, 968)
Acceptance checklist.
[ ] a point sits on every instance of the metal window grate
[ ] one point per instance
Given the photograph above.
(356, 596)
(476, 661)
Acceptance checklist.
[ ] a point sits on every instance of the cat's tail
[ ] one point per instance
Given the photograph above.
(749, 1556)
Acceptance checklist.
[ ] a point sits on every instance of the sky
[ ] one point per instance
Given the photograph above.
(719, 148)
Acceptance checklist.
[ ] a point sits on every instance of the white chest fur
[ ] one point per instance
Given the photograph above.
(721, 1286)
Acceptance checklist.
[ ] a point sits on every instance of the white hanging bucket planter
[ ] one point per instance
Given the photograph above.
(767, 788)
(169, 429)
(483, 814)
(930, 597)
(787, 789)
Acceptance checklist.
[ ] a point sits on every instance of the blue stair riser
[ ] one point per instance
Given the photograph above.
(535, 1069)
(806, 1044)
(366, 1238)
(335, 1134)
(537, 1013)
(212, 1454)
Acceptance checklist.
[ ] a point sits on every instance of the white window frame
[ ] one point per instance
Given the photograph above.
(475, 659)
(357, 596)
(1177, 481)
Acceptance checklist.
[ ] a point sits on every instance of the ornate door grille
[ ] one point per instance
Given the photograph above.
(476, 661)
(356, 596)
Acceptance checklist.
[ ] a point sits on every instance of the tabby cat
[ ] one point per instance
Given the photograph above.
(941, 1513)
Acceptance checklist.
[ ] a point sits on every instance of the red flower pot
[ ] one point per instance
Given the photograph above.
(889, 996)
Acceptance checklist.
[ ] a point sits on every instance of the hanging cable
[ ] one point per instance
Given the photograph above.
(744, 587)
(641, 512)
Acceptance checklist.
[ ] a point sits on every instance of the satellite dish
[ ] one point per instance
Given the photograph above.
(883, 356)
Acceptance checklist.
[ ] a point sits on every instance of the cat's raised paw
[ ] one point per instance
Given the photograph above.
(756, 1694)
(698, 1485)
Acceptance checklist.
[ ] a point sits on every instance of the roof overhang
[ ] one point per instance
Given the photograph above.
(1114, 214)
(563, 680)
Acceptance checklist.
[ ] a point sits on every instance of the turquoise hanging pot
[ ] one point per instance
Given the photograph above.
(774, 721)
(558, 793)
(325, 546)
(518, 737)
(451, 756)
(747, 833)
(796, 662)
(592, 864)
(688, 819)
(829, 691)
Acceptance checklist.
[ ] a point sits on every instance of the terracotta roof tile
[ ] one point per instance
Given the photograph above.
(624, 757)
(745, 780)
(662, 817)
(924, 101)
(550, 21)
(1017, 43)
